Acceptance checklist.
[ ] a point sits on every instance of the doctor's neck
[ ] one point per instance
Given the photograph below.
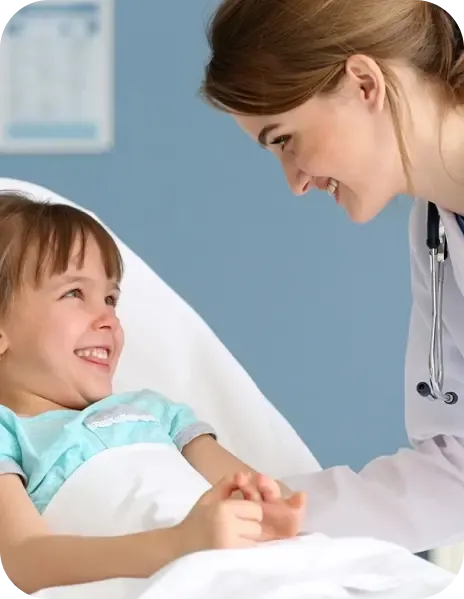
(436, 148)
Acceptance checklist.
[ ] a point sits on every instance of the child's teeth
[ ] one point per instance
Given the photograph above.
(94, 352)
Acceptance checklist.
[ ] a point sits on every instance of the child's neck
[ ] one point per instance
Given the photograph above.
(27, 404)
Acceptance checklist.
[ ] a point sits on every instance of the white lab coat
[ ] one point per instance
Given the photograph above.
(416, 497)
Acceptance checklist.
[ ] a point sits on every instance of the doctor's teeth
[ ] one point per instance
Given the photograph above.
(93, 352)
(332, 186)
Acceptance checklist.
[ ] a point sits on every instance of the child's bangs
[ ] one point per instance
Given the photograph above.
(59, 231)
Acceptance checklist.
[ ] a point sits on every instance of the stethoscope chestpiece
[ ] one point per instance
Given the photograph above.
(450, 398)
(423, 389)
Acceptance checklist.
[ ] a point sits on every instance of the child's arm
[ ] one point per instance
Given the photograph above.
(283, 512)
(214, 462)
(34, 558)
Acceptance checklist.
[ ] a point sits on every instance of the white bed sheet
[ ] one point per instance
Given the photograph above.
(307, 568)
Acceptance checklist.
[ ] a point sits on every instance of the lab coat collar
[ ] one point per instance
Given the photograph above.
(455, 239)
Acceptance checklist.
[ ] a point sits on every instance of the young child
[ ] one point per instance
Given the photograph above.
(60, 341)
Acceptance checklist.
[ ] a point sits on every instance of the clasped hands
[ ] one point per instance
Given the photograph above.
(242, 511)
(281, 515)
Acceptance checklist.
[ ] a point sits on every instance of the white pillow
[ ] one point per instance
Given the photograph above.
(169, 348)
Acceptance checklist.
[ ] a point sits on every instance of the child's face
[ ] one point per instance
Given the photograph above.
(63, 338)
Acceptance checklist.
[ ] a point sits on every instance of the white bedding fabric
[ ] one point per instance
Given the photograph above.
(307, 568)
(146, 486)
(170, 349)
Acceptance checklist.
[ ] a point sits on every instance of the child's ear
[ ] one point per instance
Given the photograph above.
(3, 343)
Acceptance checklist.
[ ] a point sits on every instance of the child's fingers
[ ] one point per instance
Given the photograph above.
(247, 487)
(269, 488)
(258, 488)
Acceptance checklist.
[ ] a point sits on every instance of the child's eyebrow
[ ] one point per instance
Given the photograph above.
(73, 280)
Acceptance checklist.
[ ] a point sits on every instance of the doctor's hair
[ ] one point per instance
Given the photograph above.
(39, 238)
(270, 57)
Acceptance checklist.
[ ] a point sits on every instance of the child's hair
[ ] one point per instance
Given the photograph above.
(271, 56)
(47, 233)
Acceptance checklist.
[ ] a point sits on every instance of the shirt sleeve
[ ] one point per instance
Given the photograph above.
(10, 450)
(183, 425)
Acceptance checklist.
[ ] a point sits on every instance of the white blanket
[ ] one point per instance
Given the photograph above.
(146, 486)
(306, 568)
(310, 567)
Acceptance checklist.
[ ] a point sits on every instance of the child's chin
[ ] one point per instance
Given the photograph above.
(95, 395)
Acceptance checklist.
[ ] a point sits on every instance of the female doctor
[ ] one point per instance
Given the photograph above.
(365, 99)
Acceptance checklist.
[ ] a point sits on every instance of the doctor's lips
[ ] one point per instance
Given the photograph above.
(327, 184)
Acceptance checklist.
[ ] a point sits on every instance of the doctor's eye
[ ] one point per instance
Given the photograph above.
(281, 140)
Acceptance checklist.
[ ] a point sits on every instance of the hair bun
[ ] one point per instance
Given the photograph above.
(450, 46)
(456, 75)
(458, 21)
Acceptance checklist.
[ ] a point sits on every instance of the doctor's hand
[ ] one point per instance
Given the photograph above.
(282, 516)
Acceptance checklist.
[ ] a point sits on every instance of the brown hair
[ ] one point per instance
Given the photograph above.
(48, 232)
(270, 56)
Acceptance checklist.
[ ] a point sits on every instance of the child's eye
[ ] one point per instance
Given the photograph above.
(112, 300)
(77, 293)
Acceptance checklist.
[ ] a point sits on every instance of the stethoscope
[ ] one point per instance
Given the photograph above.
(438, 251)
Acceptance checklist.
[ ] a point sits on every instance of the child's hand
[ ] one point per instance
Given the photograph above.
(282, 517)
(257, 487)
(239, 512)
(220, 521)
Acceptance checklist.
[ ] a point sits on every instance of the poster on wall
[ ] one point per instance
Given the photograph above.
(57, 79)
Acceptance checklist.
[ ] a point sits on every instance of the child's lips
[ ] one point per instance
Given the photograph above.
(97, 356)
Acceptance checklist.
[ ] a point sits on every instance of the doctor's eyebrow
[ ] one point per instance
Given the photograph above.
(263, 135)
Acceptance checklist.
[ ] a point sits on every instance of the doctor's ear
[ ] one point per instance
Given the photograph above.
(365, 78)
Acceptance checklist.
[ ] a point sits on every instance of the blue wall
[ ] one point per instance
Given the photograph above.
(315, 307)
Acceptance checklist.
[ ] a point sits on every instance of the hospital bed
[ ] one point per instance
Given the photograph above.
(169, 348)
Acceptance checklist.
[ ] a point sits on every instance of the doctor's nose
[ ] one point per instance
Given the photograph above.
(298, 181)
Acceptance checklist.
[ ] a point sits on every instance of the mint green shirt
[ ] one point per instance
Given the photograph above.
(45, 450)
